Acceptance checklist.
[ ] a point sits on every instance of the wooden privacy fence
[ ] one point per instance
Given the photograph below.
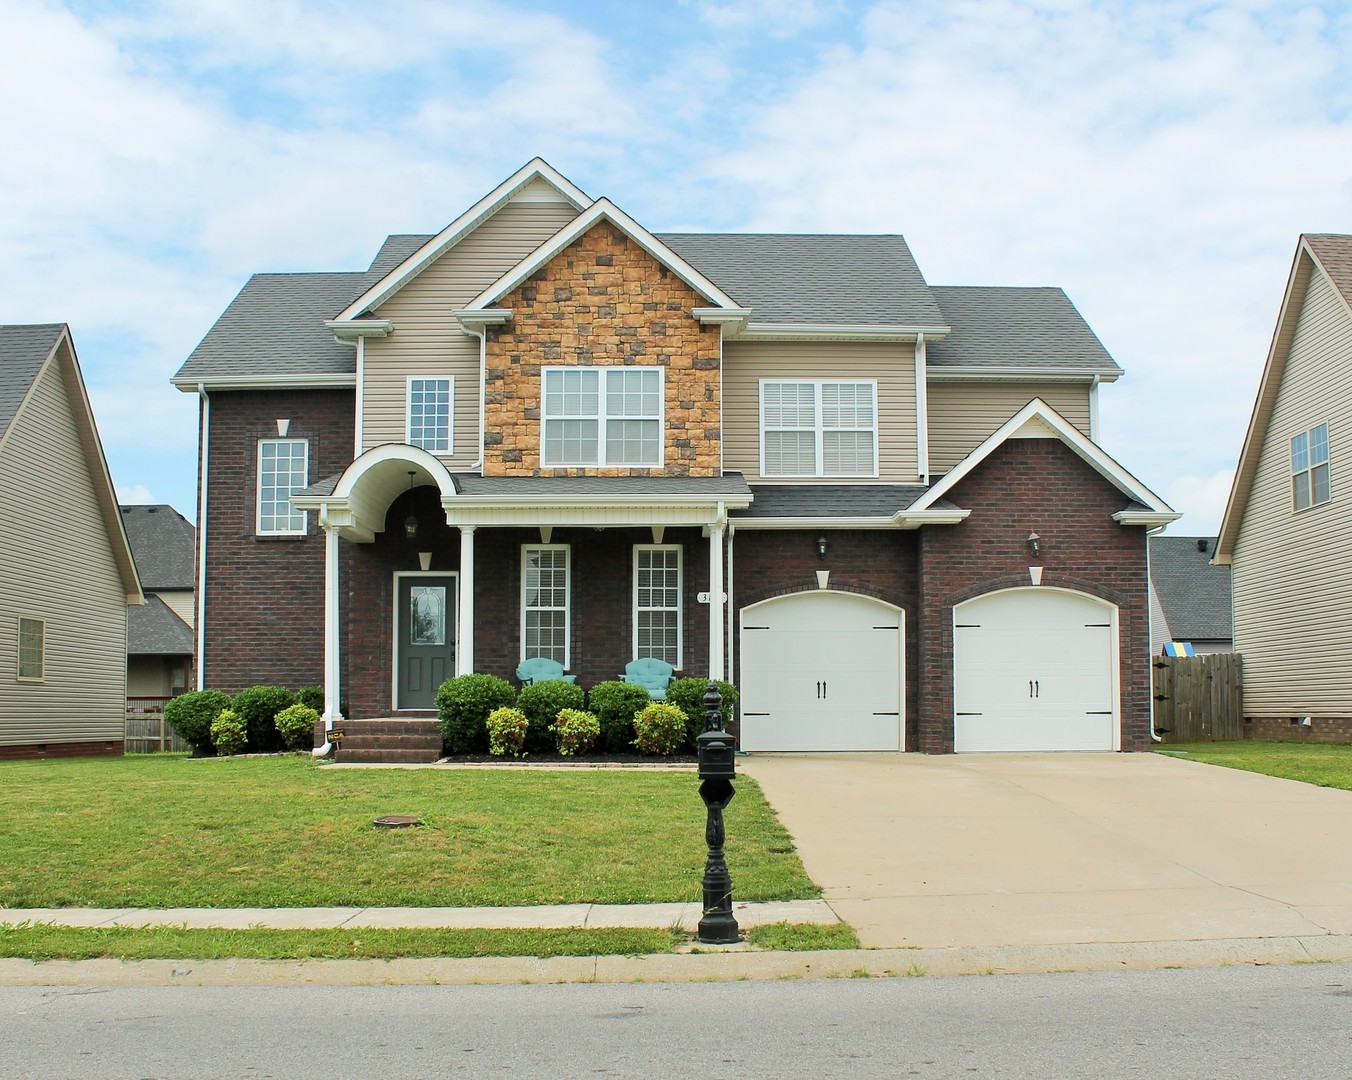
(1199, 698)
(146, 732)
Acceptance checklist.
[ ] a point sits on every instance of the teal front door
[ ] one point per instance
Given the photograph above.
(425, 639)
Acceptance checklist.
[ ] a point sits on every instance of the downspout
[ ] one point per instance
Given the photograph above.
(482, 335)
(729, 616)
(361, 394)
(202, 538)
(1151, 671)
(1094, 410)
(921, 410)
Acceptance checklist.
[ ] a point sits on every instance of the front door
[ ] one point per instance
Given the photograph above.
(424, 638)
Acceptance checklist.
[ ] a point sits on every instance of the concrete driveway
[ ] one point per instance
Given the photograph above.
(1049, 849)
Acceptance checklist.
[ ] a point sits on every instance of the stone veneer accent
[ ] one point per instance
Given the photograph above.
(603, 300)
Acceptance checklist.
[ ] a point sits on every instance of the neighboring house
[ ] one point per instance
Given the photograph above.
(159, 633)
(66, 571)
(1287, 530)
(1190, 595)
(784, 460)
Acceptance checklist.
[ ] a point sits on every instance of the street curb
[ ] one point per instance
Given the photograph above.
(688, 967)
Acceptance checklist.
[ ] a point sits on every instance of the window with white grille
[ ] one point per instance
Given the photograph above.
(601, 416)
(657, 602)
(544, 602)
(283, 469)
(429, 413)
(32, 649)
(811, 427)
(1310, 467)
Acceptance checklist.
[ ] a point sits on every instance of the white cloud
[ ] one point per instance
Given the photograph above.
(1205, 498)
(136, 495)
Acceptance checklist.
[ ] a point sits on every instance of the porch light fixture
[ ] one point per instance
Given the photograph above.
(821, 547)
(410, 528)
(1034, 543)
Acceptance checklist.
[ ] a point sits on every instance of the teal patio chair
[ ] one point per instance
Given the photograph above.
(541, 669)
(651, 674)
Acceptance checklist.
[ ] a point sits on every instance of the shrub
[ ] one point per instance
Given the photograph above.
(615, 704)
(541, 702)
(229, 733)
(312, 696)
(258, 707)
(659, 729)
(576, 731)
(688, 696)
(191, 715)
(463, 705)
(296, 725)
(507, 732)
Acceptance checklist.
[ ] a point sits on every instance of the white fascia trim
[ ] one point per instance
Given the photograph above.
(457, 230)
(1144, 517)
(466, 502)
(473, 322)
(348, 331)
(602, 208)
(913, 519)
(1092, 454)
(732, 320)
(839, 332)
(268, 382)
(809, 523)
(1002, 374)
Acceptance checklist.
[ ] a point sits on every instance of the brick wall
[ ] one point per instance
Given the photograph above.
(265, 595)
(603, 301)
(1322, 729)
(34, 751)
(1032, 485)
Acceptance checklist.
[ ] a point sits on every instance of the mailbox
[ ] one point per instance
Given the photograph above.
(717, 754)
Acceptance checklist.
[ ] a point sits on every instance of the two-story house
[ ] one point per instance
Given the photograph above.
(875, 505)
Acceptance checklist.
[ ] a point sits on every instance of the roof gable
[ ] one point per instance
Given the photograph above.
(163, 543)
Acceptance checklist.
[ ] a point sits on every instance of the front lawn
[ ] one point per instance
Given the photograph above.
(1325, 764)
(168, 831)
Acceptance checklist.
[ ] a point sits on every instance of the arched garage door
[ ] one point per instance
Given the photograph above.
(822, 671)
(1035, 669)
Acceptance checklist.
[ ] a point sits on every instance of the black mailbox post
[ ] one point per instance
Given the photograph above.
(717, 769)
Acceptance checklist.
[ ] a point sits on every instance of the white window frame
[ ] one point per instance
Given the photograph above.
(449, 380)
(258, 502)
(567, 549)
(602, 418)
(19, 674)
(819, 429)
(639, 549)
(1302, 479)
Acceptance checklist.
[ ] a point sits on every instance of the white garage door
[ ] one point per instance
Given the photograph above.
(1033, 670)
(822, 671)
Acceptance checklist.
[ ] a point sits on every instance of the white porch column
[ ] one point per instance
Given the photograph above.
(716, 599)
(464, 657)
(332, 628)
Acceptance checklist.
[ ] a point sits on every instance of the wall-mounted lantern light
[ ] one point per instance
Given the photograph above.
(1034, 543)
(410, 528)
(821, 547)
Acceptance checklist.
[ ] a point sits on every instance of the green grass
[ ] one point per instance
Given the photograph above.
(1327, 765)
(166, 831)
(803, 937)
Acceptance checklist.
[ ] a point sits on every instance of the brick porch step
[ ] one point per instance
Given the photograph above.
(388, 740)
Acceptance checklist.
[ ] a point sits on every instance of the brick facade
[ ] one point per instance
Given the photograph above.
(603, 300)
(35, 751)
(1321, 729)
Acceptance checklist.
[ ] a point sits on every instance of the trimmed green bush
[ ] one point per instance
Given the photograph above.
(296, 725)
(463, 705)
(576, 731)
(541, 702)
(313, 696)
(507, 732)
(688, 696)
(659, 729)
(229, 733)
(615, 704)
(258, 707)
(191, 715)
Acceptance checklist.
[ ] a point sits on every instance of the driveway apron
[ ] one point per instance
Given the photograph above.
(1039, 849)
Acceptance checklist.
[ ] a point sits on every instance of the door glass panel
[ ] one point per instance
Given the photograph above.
(427, 615)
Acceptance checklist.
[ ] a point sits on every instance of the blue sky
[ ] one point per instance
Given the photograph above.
(1156, 159)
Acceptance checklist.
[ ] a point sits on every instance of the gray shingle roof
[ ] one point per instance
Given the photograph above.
(786, 278)
(1194, 594)
(1334, 250)
(830, 500)
(542, 487)
(162, 543)
(997, 327)
(22, 351)
(154, 630)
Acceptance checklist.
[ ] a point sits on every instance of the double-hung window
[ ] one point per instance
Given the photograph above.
(283, 469)
(1310, 467)
(544, 602)
(32, 647)
(429, 413)
(814, 427)
(657, 602)
(601, 416)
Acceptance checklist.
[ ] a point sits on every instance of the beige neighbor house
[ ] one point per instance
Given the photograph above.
(1287, 530)
(159, 632)
(66, 569)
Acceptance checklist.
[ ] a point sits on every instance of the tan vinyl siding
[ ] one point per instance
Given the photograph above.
(181, 602)
(57, 565)
(427, 341)
(746, 363)
(963, 413)
(1292, 571)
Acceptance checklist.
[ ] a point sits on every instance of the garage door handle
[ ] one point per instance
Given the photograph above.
(821, 690)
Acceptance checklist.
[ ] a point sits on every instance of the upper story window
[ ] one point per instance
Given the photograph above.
(32, 648)
(811, 427)
(544, 602)
(429, 413)
(1310, 467)
(283, 469)
(657, 602)
(601, 416)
